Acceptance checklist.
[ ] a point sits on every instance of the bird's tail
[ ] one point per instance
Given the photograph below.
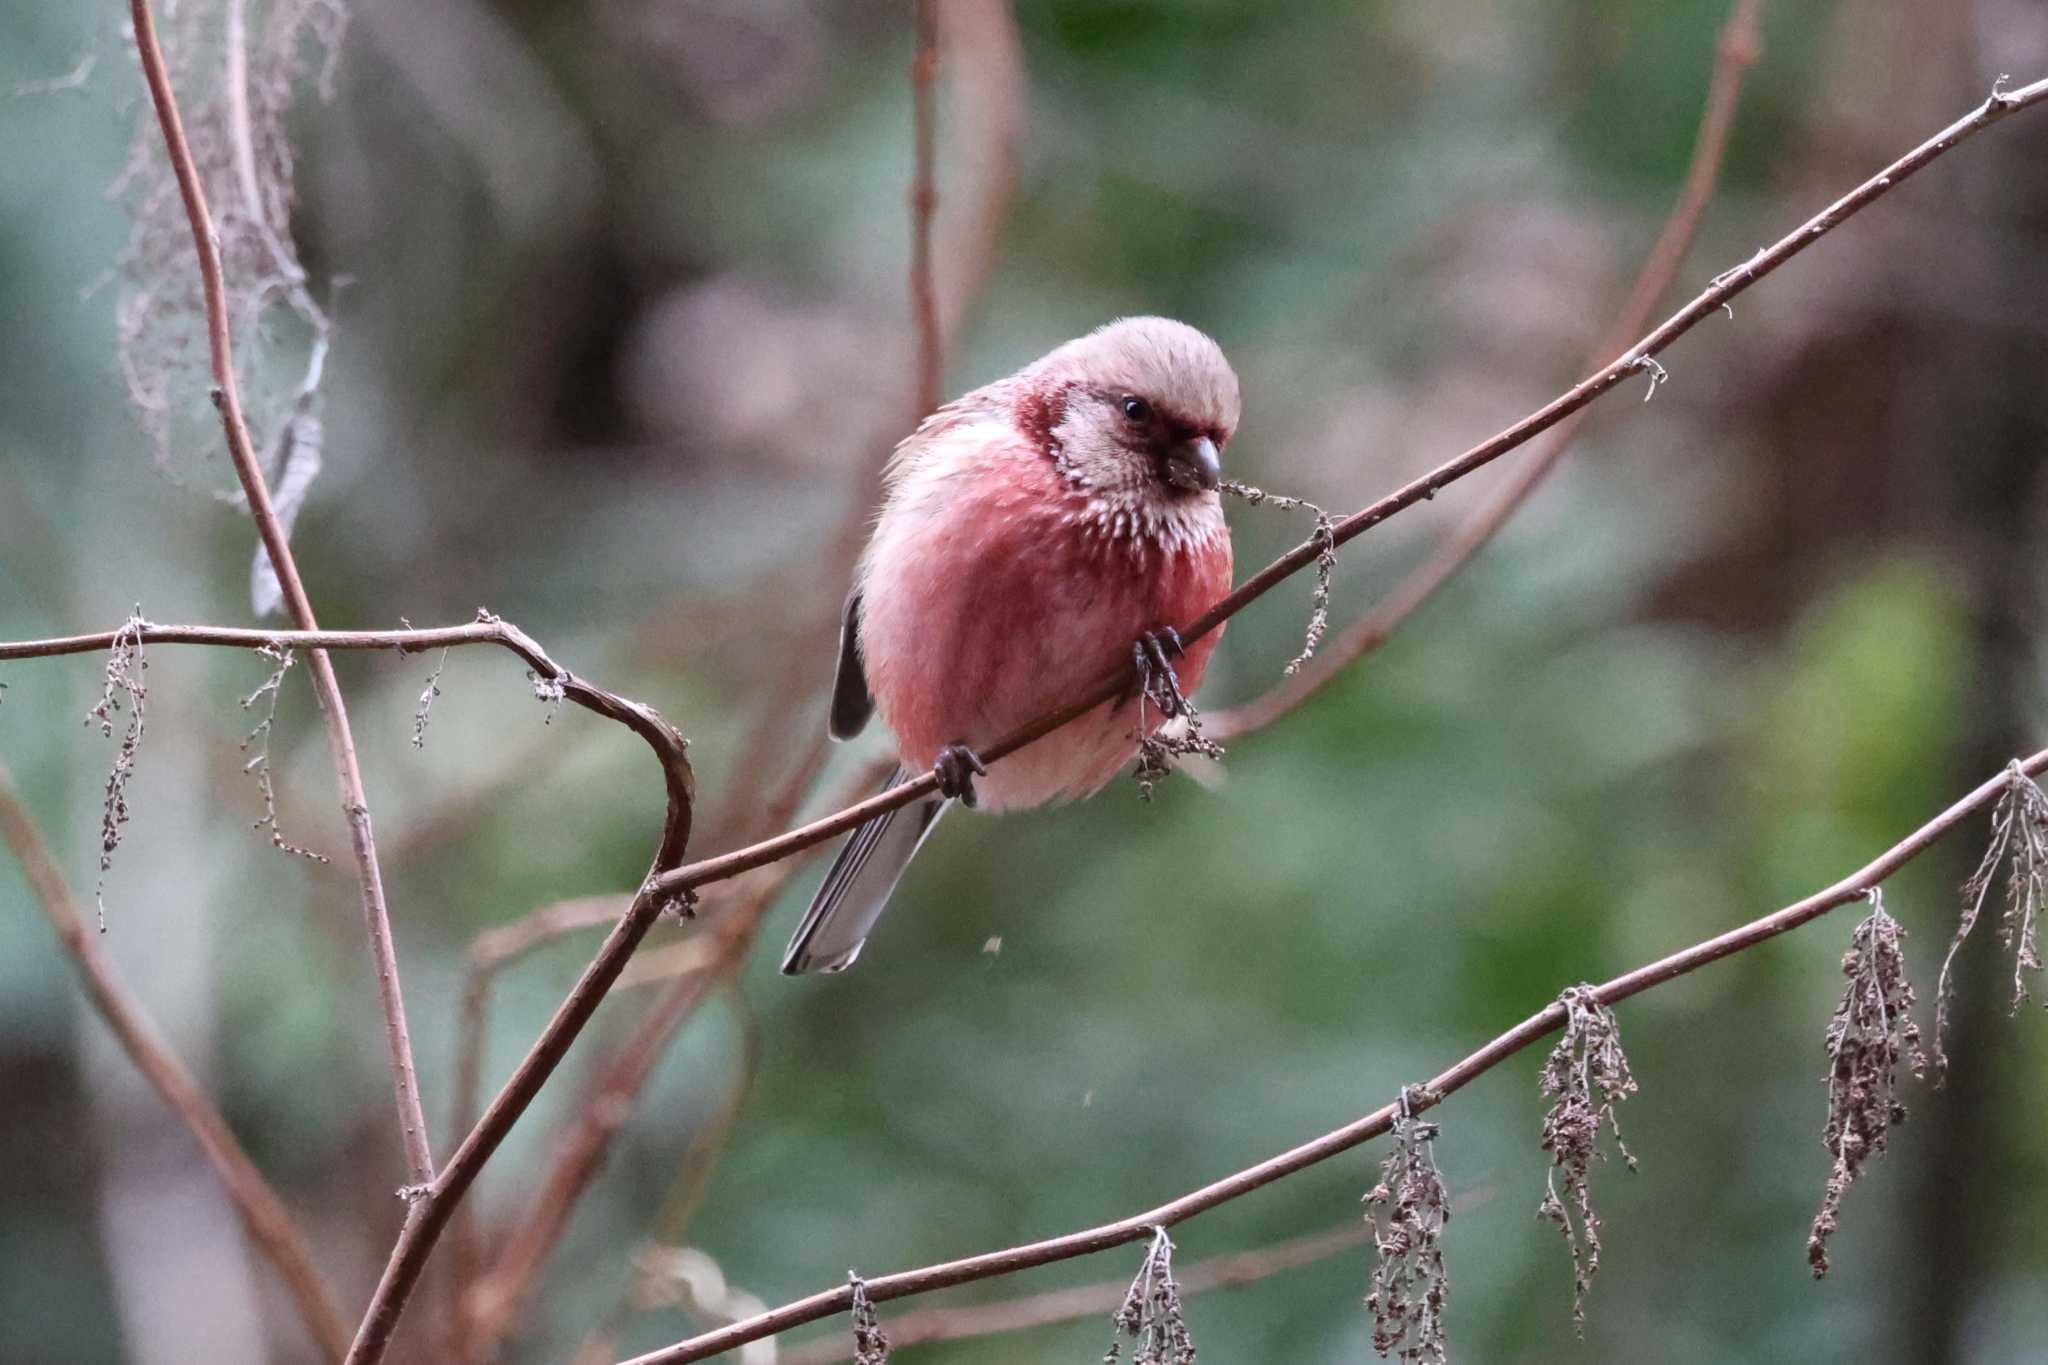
(857, 889)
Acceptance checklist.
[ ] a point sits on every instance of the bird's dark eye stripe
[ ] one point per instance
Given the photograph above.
(1136, 408)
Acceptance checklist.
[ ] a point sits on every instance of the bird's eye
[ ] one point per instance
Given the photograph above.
(1136, 409)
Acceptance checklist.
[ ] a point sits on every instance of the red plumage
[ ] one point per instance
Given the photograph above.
(1030, 533)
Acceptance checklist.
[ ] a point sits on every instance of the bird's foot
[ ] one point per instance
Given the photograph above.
(956, 768)
(1154, 654)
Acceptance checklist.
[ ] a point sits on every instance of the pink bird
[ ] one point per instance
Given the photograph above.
(1029, 531)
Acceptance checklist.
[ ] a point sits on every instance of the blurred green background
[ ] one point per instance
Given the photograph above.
(623, 340)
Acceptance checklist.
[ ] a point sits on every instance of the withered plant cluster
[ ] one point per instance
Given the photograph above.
(1587, 1074)
(2019, 848)
(123, 690)
(1870, 1033)
(870, 1346)
(1408, 1210)
(1151, 1314)
(267, 693)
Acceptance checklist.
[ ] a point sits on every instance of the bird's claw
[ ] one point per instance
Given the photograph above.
(1154, 653)
(955, 769)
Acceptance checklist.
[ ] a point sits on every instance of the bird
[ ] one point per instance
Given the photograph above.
(1029, 531)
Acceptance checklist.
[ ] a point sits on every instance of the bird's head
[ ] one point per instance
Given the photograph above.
(1136, 413)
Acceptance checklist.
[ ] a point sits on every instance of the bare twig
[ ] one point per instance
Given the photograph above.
(924, 203)
(227, 399)
(1735, 53)
(1849, 890)
(270, 1225)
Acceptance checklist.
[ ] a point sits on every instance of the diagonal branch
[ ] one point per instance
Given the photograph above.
(1849, 890)
(1736, 51)
(924, 203)
(270, 1224)
(1636, 358)
(227, 399)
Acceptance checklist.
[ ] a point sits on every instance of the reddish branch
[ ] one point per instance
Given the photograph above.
(1735, 53)
(271, 1227)
(924, 203)
(1851, 889)
(227, 399)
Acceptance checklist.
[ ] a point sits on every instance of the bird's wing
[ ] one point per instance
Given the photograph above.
(852, 704)
(857, 889)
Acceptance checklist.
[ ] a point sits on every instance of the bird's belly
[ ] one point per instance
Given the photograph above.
(999, 614)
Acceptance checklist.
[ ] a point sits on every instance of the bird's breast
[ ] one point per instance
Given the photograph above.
(989, 601)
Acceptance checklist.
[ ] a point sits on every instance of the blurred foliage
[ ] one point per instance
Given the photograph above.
(623, 328)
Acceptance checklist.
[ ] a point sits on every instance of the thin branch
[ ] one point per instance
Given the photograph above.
(924, 203)
(1849, 890)
(270, 1225)
(227, 399)
(1116, 680)
(485, 630)
(1737, 50)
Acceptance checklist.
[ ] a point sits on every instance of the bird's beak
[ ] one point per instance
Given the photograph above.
(1194, 465)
